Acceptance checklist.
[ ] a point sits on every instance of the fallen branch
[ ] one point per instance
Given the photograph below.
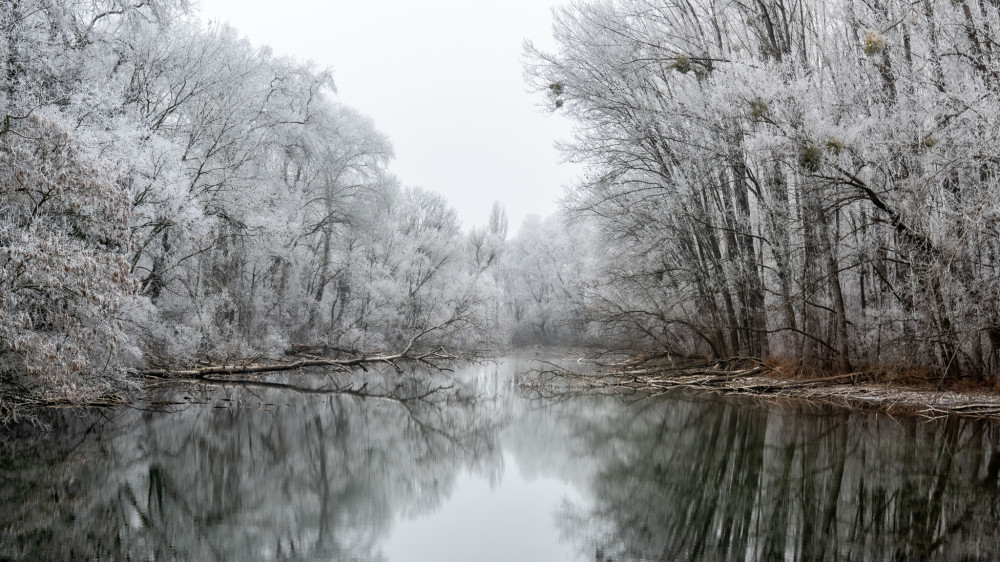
(361, 392)
(339, 364)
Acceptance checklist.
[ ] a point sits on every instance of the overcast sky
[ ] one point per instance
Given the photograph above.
(442, 78)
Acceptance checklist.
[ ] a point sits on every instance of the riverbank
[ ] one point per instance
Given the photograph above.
(575, 369)
(21, 404)
(894, 394)
(894, 400)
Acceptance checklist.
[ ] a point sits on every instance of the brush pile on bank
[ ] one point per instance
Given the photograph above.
(656, 374)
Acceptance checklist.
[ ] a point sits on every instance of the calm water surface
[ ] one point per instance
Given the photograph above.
(487, 471)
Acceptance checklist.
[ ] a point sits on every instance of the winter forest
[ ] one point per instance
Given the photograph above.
(813, 183)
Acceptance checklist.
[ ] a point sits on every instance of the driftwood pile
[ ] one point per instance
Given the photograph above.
(658, 374)
(661, 373)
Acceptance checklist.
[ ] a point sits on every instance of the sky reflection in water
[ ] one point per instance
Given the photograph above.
(510, 519)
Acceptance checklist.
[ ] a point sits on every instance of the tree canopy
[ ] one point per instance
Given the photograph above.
(814, 181)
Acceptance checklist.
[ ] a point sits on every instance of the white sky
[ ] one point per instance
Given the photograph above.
(443, 79)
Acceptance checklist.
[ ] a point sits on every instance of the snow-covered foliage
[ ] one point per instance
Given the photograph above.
(64, 275)
(170, 193)
(549, 273)
(815, 180)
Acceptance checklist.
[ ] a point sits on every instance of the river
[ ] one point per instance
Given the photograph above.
(485, 469)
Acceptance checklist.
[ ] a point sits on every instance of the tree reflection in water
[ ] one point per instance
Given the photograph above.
(242, 477)
(719, 480)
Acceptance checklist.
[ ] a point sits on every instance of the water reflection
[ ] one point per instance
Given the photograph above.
(264, 474)
(721, 480)
(242, 477)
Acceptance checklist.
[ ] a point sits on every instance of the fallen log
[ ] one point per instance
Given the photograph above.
(341, 364)
(361, 392)
(236, 369)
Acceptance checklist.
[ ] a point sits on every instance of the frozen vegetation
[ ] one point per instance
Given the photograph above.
(812, 182)
(171, 194)
(815, 182)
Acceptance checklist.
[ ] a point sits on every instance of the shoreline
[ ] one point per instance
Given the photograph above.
(927, 403)
(753, 378)
(651, 375)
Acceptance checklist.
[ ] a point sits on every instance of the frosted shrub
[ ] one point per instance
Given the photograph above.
(64, 278)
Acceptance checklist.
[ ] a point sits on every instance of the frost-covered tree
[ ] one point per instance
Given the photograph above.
(409, 274)
(778, 179)
(64, 276)
(216, 192)
(487, 250)
(549, 275)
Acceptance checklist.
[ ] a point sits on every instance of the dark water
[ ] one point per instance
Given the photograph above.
(483, 471)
